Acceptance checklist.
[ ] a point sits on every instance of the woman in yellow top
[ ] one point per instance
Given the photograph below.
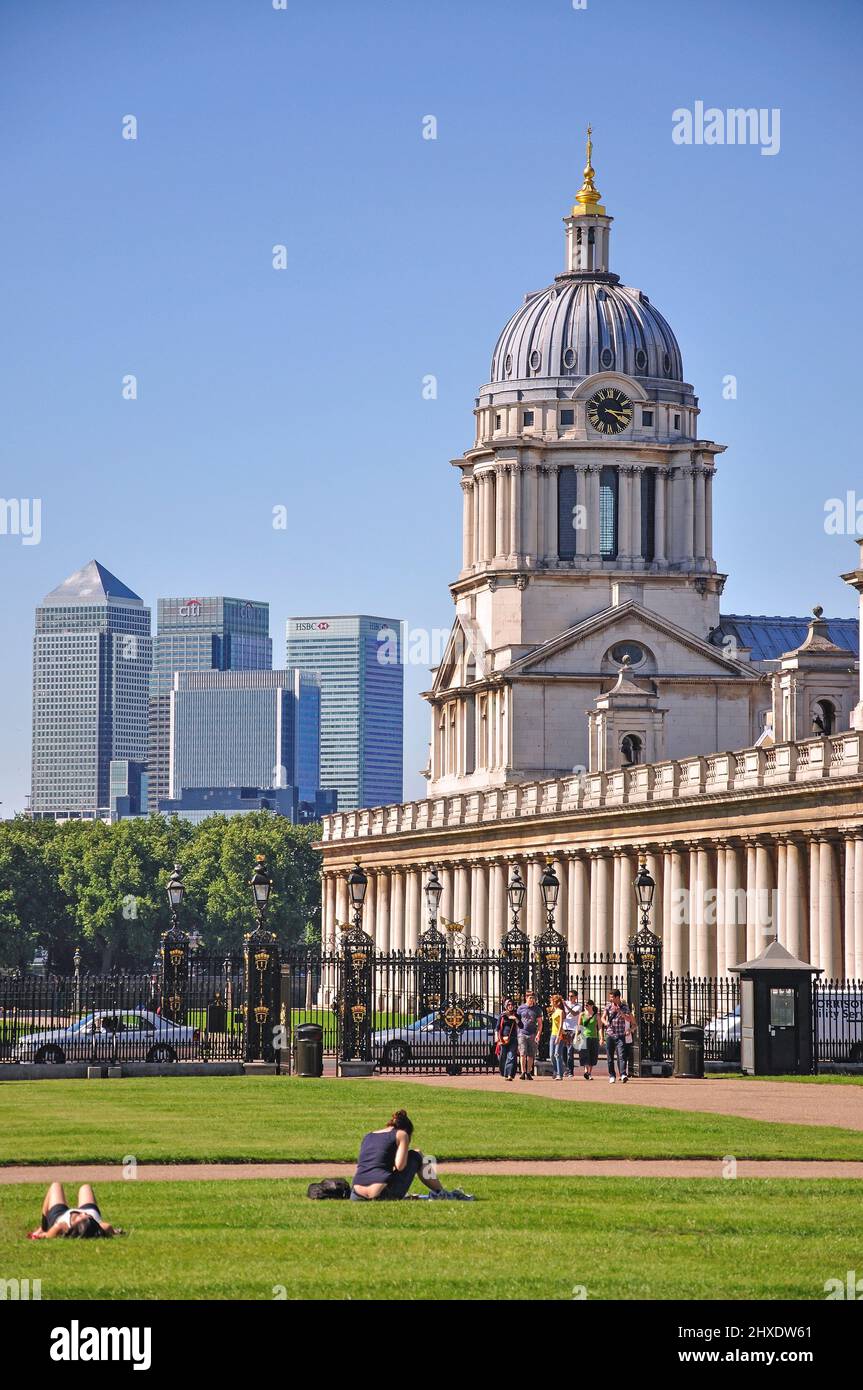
(556, 1045)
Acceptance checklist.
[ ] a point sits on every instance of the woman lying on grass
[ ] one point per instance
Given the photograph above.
(387, 1166)
(83, 1222)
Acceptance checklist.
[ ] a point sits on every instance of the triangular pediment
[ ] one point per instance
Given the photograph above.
(462, 660)
(579, 650)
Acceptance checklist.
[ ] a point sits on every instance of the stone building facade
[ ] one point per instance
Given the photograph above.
(592, 686)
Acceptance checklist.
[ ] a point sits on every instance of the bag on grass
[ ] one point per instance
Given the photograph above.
(329, 1189)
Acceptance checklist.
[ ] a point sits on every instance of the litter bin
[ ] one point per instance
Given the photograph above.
(309, 1050)
(217, 1016)
(689, 1050)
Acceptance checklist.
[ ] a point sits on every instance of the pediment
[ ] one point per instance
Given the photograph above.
(671, 650)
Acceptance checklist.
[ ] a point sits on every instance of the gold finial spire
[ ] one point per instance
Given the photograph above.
(588, 196)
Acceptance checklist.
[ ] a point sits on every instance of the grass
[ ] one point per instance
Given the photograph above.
(825, 1079)
(630, 1238)
(193, 1119)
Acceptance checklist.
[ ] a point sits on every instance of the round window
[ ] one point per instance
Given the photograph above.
(641, 359)
(606, 357)
(507, 366)
(535, 360)
(666, 363)
(630, 649)
(569, 359)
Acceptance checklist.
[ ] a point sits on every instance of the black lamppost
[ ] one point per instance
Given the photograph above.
(645, 887)
(433, 891)
(261, 885)
(515, 892)
(76, 961)
(175, 889)
(357, 884)
(549, 886)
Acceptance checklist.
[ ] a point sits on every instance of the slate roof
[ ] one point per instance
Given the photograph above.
(771, 638)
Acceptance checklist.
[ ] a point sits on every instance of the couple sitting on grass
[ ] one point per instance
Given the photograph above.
(387, 1166)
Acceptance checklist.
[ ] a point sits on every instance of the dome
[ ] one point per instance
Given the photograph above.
(581, 325)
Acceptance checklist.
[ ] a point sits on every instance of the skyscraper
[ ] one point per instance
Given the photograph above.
(359, 659)
(199, 634)
(92, 655)
(257, 729)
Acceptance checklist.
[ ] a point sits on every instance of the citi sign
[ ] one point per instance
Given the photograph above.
(190, 609)
(310, 627)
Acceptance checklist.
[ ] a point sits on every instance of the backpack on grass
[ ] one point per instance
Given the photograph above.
(329, 1189)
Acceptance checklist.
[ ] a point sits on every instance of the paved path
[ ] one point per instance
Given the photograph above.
(792, 1102)
(459, 1169)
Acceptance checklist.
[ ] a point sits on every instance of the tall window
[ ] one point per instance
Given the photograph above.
(608, 513)
(648, 513)
(567, 499)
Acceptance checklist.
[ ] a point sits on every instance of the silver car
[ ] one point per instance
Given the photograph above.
(134, 1034)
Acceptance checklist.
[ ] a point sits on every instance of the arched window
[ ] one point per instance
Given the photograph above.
(608, 513)
(631, 749)
(824, 718)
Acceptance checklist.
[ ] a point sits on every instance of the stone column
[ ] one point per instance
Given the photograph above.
(413, 910)
(687, 514)
(720, 910)
(857, 973)
(780, 898)
(462, 892)
(561, 920)
(328, 914)
(490, 544)
(467, 523)
(515, 505)
(659, 539)
(593, 471)
(382, 929)
(656, 869)
(499, 904)
(734, 909)
(635, 547)
(370, 915)
(829, 909)
(764, 896)
(694, 917)
(343, 907)
(708, 512)
(581, 532)
(534, 922)
(615, 901)
(814, 899)
(700, 544)
(625, 912)
(397, 911)
(601, 886)
(624, 515)
(579, 905)
(678, 924)
(795, 900)
(479, 902)
(447, 896)
(530, 530)
(501, 492)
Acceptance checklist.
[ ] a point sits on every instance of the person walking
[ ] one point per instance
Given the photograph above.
(616, 1023)
(507, 1040)
(569, 1038)
(589, 1029)
(529, 1016)
(556, 1045)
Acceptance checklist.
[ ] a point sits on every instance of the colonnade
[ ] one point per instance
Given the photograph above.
(510, 512)
(718, 902)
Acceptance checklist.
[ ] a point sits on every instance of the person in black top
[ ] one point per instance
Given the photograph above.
(507, 1040)
(387, 1165)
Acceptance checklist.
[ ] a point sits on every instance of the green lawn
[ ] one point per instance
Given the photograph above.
(270, 1118)
(631, 1238)
(827, 1079)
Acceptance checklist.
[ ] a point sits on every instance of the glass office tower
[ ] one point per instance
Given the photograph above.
(92, 654)
(359, 660)
(199, 634)
(245, 729)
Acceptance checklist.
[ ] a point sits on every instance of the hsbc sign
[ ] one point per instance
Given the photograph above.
(311, 627)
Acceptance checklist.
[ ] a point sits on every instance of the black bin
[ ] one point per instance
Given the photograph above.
(217, 1016)
(309, 1050)
(689, 1050)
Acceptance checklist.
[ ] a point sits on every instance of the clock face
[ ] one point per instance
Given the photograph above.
(609, 411)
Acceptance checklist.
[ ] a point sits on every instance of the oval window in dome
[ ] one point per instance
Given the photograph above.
(666, 363)
(507, 366)
(631, 649)
(535, 360)
(640, 359)
(606, 357)
(569, 359)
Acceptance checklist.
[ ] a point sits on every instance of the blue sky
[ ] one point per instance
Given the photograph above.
(303, 388)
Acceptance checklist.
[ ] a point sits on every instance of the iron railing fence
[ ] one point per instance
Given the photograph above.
(399, 1023)
(837, 1020)
(125, 1016)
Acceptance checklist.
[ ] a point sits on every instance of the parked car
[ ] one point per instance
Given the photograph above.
(134, 1034)
(839, 1021)
(429, 1039)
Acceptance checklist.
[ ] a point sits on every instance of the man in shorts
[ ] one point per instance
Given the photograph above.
(529, 1016)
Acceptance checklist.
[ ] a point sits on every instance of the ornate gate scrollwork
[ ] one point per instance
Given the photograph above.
(432, 971)
(358, 959)
(174, 982)
(550, 965)
(644, 975)
(262, 972)
(515, 965)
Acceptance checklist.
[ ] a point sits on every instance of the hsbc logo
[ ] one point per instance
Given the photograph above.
(311, 627)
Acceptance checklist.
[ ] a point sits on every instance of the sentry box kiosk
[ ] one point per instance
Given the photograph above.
(776, 1014)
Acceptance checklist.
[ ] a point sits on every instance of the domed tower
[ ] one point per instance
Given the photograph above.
(586, 495)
